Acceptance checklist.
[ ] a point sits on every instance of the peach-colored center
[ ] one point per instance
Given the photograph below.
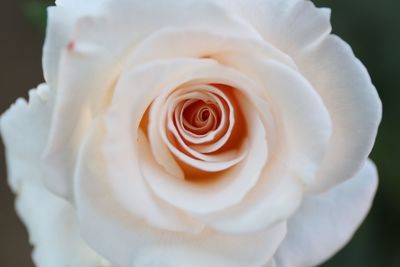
(204, 130)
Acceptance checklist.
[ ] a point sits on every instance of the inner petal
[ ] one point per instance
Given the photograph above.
(199, 110)
(219, 111)
(204, 115)
(198, 117)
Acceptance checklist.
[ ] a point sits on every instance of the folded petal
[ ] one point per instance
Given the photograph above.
(353, 104)
(304, 121)
(51, 222)
(326, 222)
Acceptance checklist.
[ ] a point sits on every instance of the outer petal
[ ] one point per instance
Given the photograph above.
(289, 25)
(50, 221)
(61, 22)
(305, 121)
(353, 103)
(326, 222)
(53, 229)
(302, 31)
(23, 152)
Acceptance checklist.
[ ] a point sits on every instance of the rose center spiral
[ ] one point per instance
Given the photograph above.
(200, 117)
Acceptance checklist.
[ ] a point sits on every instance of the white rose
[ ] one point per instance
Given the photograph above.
(193, 133)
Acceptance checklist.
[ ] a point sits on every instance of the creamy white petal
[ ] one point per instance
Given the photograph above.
(53, 229)
(274, 199)
(304, 122)
(51, 222)
(175, 42)
(326, 222)
(288, 25)
(129, 241)
(24, 128)
(353, 103)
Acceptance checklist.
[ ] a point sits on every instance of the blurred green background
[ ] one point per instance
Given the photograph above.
(371, 27)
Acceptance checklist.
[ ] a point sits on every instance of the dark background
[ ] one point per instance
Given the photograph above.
(371, 27)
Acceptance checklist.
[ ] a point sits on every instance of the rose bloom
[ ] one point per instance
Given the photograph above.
(199, 133)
